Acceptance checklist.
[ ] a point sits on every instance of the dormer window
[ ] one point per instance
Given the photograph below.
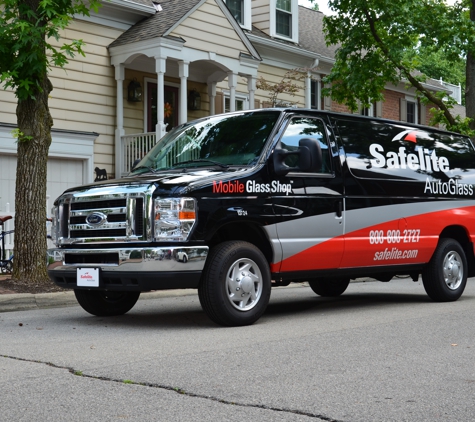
(236, 8)
(241, 11)
(284, 19)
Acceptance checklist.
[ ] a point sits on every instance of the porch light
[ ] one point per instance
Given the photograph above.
(134, 91)
(194, 100)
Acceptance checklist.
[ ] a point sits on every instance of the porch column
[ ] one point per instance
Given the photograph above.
(232, 82)
(308, 91)
(160, 67)
(212, 98)
(251, 87)
(319, 92)
(183, 68)
(119, 131)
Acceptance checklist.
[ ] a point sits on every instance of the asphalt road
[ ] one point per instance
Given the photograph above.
(380, 352)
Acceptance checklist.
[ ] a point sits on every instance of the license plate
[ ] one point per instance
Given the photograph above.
(87, 277)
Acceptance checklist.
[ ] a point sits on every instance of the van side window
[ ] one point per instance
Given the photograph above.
(386, 150)
(306, 127)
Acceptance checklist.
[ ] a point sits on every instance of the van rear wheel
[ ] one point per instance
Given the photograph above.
(236, 284)
(329, 287)
(445, 276)
(106, 303)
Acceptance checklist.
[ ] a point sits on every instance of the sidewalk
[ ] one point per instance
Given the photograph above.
(11, 301)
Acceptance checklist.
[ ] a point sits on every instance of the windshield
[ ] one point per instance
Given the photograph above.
(235, 139)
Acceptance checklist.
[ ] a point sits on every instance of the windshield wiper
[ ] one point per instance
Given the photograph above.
(203, 160)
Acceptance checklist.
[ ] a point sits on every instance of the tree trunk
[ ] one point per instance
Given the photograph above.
(34, 140)
(470, 78)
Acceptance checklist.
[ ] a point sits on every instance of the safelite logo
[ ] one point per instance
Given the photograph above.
(422, 159)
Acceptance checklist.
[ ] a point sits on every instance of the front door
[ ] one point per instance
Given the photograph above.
(311, 231)
(170, 106)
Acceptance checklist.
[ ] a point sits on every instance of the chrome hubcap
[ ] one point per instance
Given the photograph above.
(453, 270)
(244, 284)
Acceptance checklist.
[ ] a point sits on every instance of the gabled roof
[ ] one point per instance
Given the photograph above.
(173, 11)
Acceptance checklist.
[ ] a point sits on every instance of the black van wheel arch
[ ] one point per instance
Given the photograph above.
(329, 287)
(236, 284)
(445, 276)
(106, 303)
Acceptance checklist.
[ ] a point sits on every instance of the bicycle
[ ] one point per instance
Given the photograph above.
(6, 265)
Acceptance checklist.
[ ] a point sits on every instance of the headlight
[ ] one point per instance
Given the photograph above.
(174, 218)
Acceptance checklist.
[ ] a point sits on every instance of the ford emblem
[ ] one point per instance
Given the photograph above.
(96, 219)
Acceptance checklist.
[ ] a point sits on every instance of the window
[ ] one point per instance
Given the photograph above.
(239, 105)
(367, 111)
(411, 112)
(284, 18)
(314, 95)
(306, 127)
(236, 7)
(241, 10)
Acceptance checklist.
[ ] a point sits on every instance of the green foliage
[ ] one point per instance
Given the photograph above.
(27, 30)
(20, 136)
(383, 42)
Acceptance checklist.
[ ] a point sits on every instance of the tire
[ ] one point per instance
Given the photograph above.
(445, 276)
(106, 303)
(235, 286)
(329, 287)
(185, 259)
(9, 267)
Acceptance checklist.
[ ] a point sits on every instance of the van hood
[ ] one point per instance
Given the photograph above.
(171, 182)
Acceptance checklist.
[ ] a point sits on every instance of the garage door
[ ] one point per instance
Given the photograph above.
(62, 174)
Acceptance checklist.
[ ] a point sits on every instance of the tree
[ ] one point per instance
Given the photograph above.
(27, 30)
(380, 42)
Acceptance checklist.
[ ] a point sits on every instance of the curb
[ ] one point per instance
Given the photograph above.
(27, 301)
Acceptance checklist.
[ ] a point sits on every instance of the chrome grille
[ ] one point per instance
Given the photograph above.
(118, 217)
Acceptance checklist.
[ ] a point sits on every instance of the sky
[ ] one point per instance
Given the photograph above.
(322, 5)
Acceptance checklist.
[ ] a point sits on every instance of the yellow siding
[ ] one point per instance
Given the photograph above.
(261, 15)
(84, 94)
(208, 29)
(272, 75)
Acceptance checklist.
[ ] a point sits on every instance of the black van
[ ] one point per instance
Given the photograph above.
(234, 204)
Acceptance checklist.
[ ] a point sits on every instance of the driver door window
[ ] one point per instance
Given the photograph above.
(306, 127)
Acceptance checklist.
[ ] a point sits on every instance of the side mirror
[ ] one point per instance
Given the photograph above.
(309, 153)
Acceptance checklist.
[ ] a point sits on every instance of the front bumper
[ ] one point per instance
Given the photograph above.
(138, 269)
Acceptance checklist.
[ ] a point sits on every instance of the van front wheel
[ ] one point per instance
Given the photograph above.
(106, 303)
(329, 287)
(235, 285)
(445, 276)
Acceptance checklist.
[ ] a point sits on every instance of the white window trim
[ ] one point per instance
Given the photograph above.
(295, 21)
(242, 97)
(246, 15)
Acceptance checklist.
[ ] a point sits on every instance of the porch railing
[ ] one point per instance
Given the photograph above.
(134, 147)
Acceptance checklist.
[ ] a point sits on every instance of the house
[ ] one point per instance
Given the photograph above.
(151, 65)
